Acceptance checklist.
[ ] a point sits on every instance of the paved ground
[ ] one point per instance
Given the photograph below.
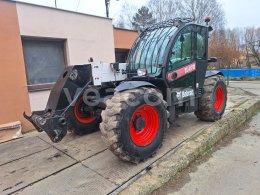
(83, 165)
(251, 86)
(233, 169)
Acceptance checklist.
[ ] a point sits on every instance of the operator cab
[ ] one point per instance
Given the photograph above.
(174, 52)
(148, 50)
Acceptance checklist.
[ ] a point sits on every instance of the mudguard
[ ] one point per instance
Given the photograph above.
(210, 73)
(132, 85)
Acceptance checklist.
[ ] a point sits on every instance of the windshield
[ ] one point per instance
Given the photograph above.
(148, 50)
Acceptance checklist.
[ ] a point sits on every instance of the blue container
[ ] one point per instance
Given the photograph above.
(241, 72)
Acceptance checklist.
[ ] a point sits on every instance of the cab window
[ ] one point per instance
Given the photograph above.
(201, 43)
(181, 52)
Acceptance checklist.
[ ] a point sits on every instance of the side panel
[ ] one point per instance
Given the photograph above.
(200, 75)
(104, 72)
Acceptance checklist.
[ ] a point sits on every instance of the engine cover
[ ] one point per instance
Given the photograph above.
(105, 72)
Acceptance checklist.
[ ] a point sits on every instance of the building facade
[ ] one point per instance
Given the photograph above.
(123, 40)
(38, 42)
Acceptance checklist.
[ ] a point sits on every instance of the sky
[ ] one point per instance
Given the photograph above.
(239, 13)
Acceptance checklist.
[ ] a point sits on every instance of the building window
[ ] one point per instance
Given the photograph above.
(121, 55)
(44, 60)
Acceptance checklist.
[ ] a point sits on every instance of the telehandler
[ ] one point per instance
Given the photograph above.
(133, 103)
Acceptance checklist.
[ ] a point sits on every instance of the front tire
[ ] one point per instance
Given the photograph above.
(81, 122)
(213, 102)
(132, 128)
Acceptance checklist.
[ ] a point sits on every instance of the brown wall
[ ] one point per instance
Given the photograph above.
(14, 96)
(123, 39)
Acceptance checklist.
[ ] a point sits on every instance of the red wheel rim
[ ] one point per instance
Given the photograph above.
(79, 113)
(220, 97)
(147, 133)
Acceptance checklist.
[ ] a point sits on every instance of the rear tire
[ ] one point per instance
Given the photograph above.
(134, 132)
(81, 123)
(213, 102)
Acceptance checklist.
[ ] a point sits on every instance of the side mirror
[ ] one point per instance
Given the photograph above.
(212, 59)
(182, 38)
(210, 28)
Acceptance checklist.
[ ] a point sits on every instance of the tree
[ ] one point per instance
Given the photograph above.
(143, 18)
(120, 24)
(252, 45)
(195, 9)
(163, 9)
(126, 15)
(225, 45)
(198, 9)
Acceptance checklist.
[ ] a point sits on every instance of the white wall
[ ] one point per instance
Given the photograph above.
(87, 36)
(39, 99)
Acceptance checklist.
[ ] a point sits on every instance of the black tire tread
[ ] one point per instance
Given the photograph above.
(111, 117)
(206, 110)
(79, 128)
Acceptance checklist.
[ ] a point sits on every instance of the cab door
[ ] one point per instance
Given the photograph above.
(181, 64)
(201, 55)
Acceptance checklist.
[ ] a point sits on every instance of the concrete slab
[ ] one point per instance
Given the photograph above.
(25, 171)
(233, 169)
(107, 165)
(100, 167)
(180, 158)
(237, 96)
(74, 180)
(10, 151)
(119, 172)
(69, 137)
(249, 86)
(80, 147)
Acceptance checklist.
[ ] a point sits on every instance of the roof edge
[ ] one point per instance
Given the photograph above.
(125, 29)
(57, 9)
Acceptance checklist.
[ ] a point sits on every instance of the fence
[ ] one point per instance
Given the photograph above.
(241, 72)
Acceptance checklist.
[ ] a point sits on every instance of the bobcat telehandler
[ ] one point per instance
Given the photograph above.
(133, 103)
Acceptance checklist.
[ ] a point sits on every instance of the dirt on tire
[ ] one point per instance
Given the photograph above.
(114, 134)
(206, 111)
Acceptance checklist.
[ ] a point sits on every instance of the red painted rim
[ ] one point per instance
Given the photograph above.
(145, 135)
(220, 97)
(80, 115)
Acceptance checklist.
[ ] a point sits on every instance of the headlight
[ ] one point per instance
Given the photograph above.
(141, 72)
(74, 74)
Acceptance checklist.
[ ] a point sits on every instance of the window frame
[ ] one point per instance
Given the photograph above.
(201, 29)
(142, 47)
(44, 86)
(189, 27)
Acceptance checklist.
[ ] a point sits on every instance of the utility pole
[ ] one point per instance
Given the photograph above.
(55, 3)
(107, 2)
